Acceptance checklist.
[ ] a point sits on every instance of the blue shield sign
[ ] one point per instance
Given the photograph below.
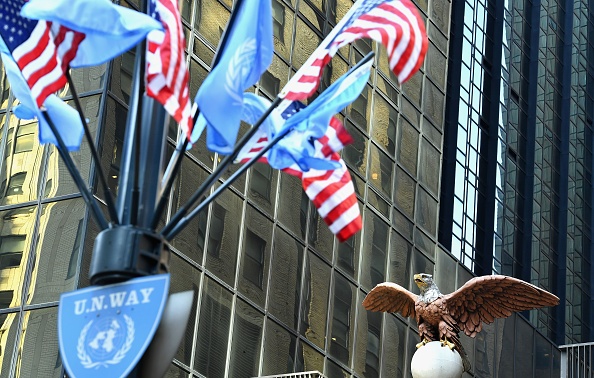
(103, 331)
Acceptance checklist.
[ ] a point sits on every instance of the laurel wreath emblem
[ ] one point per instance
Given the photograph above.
(86, 360)
(239, 69)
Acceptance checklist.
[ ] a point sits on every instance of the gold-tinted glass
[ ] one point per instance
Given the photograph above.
(8, 336)
(255, 257)
(293, 205)
(279, 347)
(306, 41)
(381, 169)
(314, 303)
(16, 239)
(407, 145)
(285, 277)
(385, 118)
(38, 348)
(283, 19)
(86, 79)
(213, 330)
(57, 253)
(223, 236)
(211, 20)
(429, 166)
(185, 277)
(245, 345)
(22, 162)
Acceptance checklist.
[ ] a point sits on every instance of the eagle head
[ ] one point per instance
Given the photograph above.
(429, 290)
(423, 280)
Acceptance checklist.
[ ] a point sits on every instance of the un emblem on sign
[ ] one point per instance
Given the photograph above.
(104, 331)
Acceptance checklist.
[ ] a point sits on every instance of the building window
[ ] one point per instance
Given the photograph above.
(261, 180)
(217, 230)
(346, 254)
(331, 6)
(25, 138)
(372, 354)
(12, 244)
(15, 185)
(126, 70)
(270, 83)
(341, 319)
(5, 299)
(10, 260)
(73, 263)
(278, 20)
(359, 108)
(253, 261)
(201, 232)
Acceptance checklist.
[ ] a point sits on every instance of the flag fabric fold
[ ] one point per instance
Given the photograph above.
(311, 123)
(38, 53)
(331, 191)
(64, 117)
(396, 24)
(245, 55)
(167, 76)
(105, 30)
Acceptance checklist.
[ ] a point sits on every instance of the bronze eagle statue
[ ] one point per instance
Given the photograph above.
(442, 317)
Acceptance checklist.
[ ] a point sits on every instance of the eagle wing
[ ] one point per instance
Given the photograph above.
(391, 297)
(482, 299)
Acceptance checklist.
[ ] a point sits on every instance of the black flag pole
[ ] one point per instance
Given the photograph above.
(218, 172)
(170, 174)
(183, 222)
(177, 217)
(109, 200)
(174, 164)
(76, 176)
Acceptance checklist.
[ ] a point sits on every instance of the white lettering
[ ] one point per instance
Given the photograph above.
(132, 298)
(145, 294)
(79, 306)
(97, 303)
(117, 299)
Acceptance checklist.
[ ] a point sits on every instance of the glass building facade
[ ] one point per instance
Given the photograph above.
(516, 194)
(275, 292)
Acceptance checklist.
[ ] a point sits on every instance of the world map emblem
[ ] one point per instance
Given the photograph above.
(103, 331)
(105, 342)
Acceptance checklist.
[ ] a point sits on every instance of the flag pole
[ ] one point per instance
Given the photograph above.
(167, 231)
(218, 172)
(183, 222)
(127, 165)
(135, 199)
(109, 200)
(76, 176)
(172, 170)
(174, 164)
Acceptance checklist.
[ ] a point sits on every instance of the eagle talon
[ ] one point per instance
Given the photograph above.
(422, 343)
(445, 342)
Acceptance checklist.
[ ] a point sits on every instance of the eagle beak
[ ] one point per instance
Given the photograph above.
(419, 281)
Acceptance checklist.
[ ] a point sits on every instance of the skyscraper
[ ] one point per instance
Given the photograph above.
(516, 194)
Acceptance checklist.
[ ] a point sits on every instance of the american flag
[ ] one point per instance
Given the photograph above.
(41, 50)
(396, 24)
(167, 77)
(332, 191)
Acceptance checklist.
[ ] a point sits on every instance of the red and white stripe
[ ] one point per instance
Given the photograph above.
(45, 56)
(167, 77)
(396, 24)
(332, 191)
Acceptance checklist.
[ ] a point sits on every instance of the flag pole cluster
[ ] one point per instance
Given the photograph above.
(44, 39)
